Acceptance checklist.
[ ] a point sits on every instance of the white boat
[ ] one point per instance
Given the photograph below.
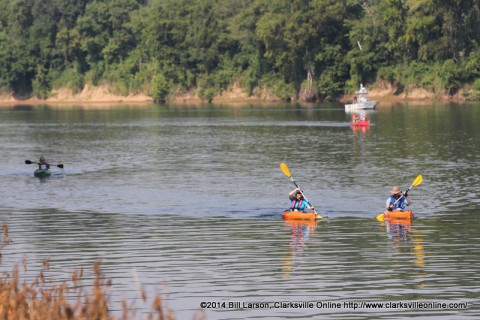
(361, 101)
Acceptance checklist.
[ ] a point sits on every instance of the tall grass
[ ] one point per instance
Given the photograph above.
(42, 300)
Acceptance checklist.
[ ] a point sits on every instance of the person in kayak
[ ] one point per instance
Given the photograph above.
(364, 117)
(354, 117)
(43, 164)
(397, 201)
(299, 203)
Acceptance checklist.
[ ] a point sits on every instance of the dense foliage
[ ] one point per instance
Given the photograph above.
(308, 49)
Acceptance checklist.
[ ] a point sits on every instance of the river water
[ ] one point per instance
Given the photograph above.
(186, 201)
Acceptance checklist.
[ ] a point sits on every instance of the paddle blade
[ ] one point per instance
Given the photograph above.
(381, 217)
(60, 166)
(28, 162)
(285, 169)
(319, 216)
(417, 180)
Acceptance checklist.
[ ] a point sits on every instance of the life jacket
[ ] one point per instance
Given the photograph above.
(294, 204)
(43, 166)
(399, 202)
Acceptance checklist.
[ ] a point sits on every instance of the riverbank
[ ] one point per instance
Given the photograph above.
(89, 94)
(235, 96)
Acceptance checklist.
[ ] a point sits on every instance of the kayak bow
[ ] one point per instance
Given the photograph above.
(42, 173)
(299, 215)
(406, 215)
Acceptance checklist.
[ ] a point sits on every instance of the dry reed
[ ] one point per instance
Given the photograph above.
(38, 300)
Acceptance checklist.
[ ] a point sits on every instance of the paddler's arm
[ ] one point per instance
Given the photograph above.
(407, 200)
(389, 205)
(290, 195)
(309, 206)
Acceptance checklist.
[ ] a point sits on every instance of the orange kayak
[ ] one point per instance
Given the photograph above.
(299, 215)
(408, 214)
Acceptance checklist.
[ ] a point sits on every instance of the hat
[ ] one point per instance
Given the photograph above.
(395, 190)
(42, 158)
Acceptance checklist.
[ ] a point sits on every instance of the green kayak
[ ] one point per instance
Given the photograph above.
(42, 173)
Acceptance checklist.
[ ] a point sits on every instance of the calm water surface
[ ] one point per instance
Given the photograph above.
(186, 201)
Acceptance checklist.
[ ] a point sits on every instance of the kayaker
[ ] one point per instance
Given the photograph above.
(364, 117)
(398, 200)
(354, 117)
(43, 164)
(299, 203)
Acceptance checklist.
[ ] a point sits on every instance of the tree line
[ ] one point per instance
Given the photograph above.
(298, 49)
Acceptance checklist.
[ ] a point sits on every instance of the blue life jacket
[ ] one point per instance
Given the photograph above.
(401, 203)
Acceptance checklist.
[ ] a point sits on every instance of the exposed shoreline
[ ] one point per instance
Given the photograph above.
(102, 96)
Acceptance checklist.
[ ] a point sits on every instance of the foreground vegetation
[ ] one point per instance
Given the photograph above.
(41, 299)
(307, 50)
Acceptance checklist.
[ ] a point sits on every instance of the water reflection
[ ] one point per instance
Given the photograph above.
(402, 235)
(300, 233)
(398, 230)
(358, 131)
(418, 250)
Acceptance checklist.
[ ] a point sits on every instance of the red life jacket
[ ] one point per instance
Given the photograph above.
(294, 204)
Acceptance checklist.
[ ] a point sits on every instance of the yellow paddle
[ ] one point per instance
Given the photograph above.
(415, 183)
(286, 171)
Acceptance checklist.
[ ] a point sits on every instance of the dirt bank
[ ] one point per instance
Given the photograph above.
(236, 95)
(89, 94)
